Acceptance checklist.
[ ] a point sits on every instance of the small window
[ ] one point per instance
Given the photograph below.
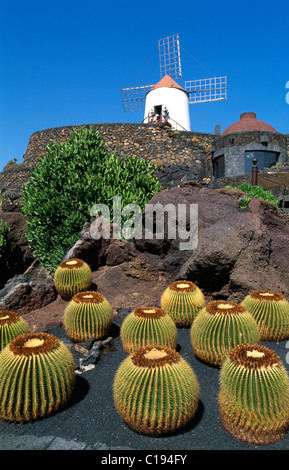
(265, 160)
(219, 166)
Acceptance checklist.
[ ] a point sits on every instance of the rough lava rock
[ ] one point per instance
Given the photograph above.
(17, 256)
(101, 251)
(238, 250)
(29, 291)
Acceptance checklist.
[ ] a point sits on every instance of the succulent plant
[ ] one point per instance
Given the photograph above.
(72, 276)
(182, 300)
(148, 326)
(36, 377)
(254, 395)
(155, 391)
(11, 325)
(88, 315)
(271, 312)
(219, 327)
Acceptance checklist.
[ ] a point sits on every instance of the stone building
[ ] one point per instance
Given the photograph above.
(242, 142)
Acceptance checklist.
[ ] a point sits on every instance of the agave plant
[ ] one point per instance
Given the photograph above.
(156, 391)
(254, 395)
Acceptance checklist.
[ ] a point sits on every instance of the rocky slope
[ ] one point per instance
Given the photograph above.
(237, 251)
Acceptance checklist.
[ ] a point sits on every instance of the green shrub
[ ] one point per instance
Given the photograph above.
(71, 178)
(4, 229)
(257, 192)
(244, 201)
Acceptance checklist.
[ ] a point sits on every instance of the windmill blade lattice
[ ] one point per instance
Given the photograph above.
(199, 91)
(206, 89)
(133, 99)
(170, 56)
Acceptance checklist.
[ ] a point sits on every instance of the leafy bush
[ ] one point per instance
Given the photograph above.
(244, 201)
(71, 178)
(4, 229)
(257, 192)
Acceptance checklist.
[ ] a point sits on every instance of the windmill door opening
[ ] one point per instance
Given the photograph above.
(158, 111)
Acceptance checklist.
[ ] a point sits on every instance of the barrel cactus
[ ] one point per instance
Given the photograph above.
(182, 300)
(254, 395)
(37, 377)
(271, 312)
(72, 276)
(219, 327)
(88, 315)
(148, 326)
(155, 391)
(11, 326)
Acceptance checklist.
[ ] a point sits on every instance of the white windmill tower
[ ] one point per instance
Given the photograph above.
(167, 93)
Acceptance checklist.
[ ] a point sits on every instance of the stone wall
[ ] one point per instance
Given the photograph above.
(144, 140)
(15, 176)
(231, 181)
(249, 137)
(287, 143)
(180, 155)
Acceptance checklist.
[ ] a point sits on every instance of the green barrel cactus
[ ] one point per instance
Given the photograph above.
(37, 377)
(11, 326)
(219, 327)
(156, 391)
(271, 312)
(88, 315)
(254, 395)
(148, 326)
(182, 300)
(72, 276)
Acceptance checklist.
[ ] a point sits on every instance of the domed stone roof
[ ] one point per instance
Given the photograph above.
(248, 122)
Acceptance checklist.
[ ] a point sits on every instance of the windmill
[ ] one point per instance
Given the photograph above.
(169, 94)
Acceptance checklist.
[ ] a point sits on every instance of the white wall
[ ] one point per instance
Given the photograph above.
(177, 103)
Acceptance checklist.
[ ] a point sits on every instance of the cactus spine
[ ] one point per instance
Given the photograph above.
(72, 276)
(271, 312)
(182, 300)
(155, 391)
(254, 395)
(219, 327)
(148, 326)
(11, 326)
(88, 315)
(36, 377)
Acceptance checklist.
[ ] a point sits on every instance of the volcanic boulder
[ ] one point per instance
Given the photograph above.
(238, 250)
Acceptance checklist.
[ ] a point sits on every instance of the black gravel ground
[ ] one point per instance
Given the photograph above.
(90, 421)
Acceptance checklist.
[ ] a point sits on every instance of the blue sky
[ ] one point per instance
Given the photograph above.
(64, 62)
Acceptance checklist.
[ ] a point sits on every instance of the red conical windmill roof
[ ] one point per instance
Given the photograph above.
(168, 82)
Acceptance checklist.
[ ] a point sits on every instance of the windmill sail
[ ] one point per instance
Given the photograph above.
(198, 91)
(206, 89)
(133, 99)
(170, 56)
